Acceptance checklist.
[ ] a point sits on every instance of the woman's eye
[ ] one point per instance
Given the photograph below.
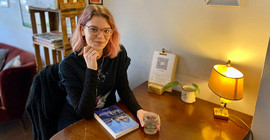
(93, 29)
(107, 30)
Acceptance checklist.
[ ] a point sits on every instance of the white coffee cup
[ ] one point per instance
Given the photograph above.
(188, 94)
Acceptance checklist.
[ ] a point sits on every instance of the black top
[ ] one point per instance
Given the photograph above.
(88, 90)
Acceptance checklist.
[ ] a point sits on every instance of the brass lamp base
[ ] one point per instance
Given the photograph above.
(221, 113)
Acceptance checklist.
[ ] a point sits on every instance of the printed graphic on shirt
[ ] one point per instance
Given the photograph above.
(101, 96)
(100, 100)
(101, 76)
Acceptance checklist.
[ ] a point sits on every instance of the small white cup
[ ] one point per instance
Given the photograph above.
(188, 94)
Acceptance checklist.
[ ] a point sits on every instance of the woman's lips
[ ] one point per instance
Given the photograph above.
(99, 42)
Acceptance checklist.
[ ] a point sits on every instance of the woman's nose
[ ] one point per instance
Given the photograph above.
(100, 34)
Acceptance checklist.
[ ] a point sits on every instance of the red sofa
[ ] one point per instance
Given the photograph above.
(15, 83)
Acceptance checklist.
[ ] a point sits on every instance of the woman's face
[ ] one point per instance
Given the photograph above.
(97, 32)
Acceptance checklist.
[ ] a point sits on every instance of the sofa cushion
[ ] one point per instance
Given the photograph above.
(3, 55)
(15, 62)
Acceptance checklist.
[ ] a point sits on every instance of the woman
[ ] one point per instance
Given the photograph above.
(96, 69)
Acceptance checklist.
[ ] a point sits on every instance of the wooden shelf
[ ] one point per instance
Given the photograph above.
(67, 10)
(49, 47)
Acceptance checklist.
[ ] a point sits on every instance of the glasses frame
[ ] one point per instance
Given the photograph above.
(95, 34)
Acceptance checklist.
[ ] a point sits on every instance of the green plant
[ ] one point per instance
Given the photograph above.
(175, 83)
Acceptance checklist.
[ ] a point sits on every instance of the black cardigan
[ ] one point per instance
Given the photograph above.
(45, 102)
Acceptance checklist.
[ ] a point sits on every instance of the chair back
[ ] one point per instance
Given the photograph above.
(69, 11)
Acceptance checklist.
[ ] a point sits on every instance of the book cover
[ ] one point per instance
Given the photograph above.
(115, 121)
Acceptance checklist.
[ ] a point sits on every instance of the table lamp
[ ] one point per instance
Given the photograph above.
(226, 82)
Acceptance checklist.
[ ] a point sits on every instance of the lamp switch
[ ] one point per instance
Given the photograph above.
(221, 113)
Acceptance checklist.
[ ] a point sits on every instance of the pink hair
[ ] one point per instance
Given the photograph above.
(78, 41)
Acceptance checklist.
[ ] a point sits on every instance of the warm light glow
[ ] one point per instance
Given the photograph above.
(214, 132)
(226, 82)
(228, 71)
(239, 54)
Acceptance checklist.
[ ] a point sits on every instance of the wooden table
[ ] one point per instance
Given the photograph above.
(179, 120)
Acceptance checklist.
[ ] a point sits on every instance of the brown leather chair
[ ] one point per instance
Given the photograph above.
(15, 83)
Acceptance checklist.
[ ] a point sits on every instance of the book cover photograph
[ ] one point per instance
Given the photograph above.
(116, 121)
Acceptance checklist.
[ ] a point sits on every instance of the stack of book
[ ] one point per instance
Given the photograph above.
(50, 39)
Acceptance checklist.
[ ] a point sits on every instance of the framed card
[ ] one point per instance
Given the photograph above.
(100, 2)
(223, 2)
(4, 3)
(26, 19)
(162, 70)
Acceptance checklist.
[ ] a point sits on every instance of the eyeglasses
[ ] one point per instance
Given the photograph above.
(95, 31)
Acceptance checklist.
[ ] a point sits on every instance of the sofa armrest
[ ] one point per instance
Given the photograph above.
(15, 84)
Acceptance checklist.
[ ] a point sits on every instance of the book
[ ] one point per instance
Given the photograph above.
(50, 37)
(162, 71)
(115, 121)
(60, 43)
(52, 46)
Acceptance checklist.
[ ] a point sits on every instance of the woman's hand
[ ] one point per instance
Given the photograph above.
(140, 114)
(90, 56)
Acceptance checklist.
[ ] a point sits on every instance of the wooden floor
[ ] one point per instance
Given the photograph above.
(13, 130)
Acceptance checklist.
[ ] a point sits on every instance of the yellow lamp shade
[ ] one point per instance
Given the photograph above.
(226, 82)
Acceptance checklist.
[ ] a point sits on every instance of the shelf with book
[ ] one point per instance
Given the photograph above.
(51, 39)
(57, 18)
(53, 16)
